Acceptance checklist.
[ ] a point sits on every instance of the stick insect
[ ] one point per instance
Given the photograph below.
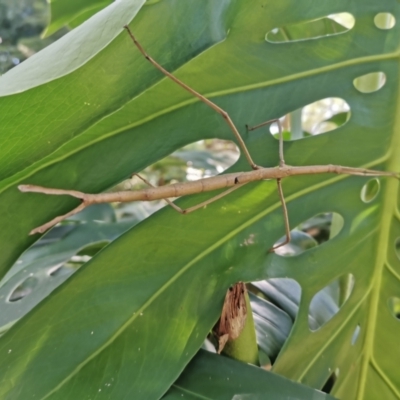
(231, 181)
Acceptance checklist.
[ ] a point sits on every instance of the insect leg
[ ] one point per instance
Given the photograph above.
(281, 157)
(219, 110)
(285, 217)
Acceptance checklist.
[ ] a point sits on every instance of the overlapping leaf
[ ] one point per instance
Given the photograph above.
(133, 317)
(64, 12)
(213, 377)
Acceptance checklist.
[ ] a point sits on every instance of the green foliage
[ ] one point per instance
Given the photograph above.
(211, 377)
(89, 110)
(72, 13)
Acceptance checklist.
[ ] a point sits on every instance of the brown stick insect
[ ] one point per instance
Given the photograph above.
(234, 311)
(231, 181)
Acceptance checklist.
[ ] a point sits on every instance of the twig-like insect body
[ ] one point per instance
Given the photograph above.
(231, 181)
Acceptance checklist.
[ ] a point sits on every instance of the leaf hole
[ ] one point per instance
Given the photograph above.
(96, 212)
(275, 305)
(311, 233)
(197, 160)
(355, 335)
(322, 116)
(285, 293)
(370, 190)
(202, 159)
(328, 301)
(330, 382)
(397, 247)
(330, 25)
(87, 252)
(394, 307)
(384, 20)
(63, 270)
(24, 289)
(370, 83)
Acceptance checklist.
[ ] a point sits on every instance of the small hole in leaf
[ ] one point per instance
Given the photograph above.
(356, 334)
(384, 20)
(285, 293)
(24, 289)
(275, 308)
(394, 306)
(311, 233)
(194, 161)
(322, 116)
(327, 302)
(370, 190)
(325, 115)
(397, 247)
(330, 382)
(197, 160)
(89, 251)
(63, 270)
(330, 25)
(299, 243)
(96, 212)
(370, 83)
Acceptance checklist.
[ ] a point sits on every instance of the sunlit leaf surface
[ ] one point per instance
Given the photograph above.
(128, 322)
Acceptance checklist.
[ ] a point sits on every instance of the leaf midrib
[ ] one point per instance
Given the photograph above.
(318, 354)
(389, 211)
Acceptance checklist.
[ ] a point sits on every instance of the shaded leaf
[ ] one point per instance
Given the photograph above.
(62, 12)
(175, 269)
(46, 266)
(216, 377)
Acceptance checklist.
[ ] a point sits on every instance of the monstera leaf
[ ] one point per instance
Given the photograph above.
(72, 13)
(89, 110)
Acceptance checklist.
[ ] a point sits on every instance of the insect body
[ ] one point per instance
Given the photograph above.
(232, 181)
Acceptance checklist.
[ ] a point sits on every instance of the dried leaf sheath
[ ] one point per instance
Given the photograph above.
(233, 315)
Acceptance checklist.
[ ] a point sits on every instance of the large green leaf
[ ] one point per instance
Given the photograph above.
(43, 268)
(207, 375)
(129, 321)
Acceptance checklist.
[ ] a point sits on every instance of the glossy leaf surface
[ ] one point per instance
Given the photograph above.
(46, 265)
(132, 318)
